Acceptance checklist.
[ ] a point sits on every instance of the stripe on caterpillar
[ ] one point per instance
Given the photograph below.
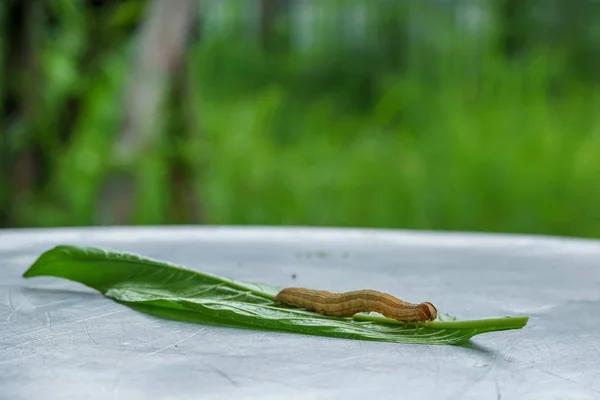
(349, 303)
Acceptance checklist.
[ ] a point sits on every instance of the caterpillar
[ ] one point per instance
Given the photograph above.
(349, 303)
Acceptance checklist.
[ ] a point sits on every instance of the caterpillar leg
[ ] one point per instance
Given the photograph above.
(407, 324)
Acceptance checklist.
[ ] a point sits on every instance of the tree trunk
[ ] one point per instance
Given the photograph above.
(161, 48)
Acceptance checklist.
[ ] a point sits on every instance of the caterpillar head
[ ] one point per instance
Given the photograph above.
(427, 311)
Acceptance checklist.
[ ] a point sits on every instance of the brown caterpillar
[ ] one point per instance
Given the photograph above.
(349, 303)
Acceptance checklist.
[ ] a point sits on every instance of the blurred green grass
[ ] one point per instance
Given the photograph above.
(461, 140)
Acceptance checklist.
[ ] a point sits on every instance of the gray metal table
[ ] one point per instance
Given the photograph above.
(61, 340)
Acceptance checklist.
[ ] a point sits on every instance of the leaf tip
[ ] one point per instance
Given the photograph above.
(35, 268)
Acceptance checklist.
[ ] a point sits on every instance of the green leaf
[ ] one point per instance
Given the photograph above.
(174, 292)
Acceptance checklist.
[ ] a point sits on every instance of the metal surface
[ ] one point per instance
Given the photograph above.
(61, 340)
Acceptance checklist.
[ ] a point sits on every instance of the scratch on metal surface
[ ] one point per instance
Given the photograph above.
(470, 384)
(13, 360)
(48, 320)
(87, 331)
(222, 373)
(498, 393)
(40, 339)
(170, 333)
(123, 336)
(550, 352)
(10, 302)
(88, 318)
(176, 343)
(37, 331)
(46, 305)
(581, 384)
(116, 387)
(13, 310)
(34, 312)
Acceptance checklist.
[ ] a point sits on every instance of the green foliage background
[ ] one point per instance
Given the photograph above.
(445, 128)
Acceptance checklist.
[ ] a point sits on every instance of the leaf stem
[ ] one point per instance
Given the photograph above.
(486, 323)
